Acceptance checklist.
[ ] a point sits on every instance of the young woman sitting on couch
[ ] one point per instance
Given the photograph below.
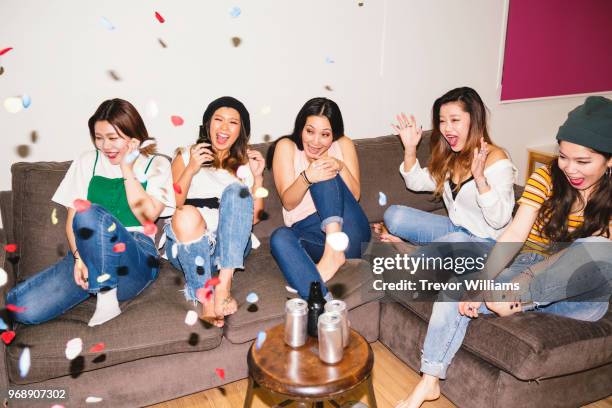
(213, 182)
(567, 202)
(110, 256)
(316, 173)
(475, 183)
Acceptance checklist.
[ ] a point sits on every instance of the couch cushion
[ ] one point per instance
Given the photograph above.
(352, 283)
(152, 324)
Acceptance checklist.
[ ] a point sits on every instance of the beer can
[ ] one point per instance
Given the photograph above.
(340, 307)
(330, 337)
(296, 322)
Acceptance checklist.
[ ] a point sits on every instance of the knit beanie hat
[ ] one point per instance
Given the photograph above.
(590, 125)
(229, 102)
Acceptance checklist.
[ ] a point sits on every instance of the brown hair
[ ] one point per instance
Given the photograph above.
(122, 116)
(444, 161)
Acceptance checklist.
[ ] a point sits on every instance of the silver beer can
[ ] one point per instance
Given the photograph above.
(340, 307)
(330, 337)
(296, 322)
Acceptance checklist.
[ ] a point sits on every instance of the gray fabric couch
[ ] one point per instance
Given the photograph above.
(151, 355)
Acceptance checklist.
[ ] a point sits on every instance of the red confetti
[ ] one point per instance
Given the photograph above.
(220, 372)
(97, 348)
(177, 188)
(212, 282)
(203, 294)
(10, 248)
(8, 336)
(16, 309)
(81, 205)
(159, 17)
(177, 120)
(119, 247)
(150, 228)
(4, 51)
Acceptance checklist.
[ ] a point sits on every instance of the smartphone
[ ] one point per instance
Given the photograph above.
(204, 137)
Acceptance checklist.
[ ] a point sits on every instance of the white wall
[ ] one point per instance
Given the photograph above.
(390, 55)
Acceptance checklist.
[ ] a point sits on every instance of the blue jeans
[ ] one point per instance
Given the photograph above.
(422, 227)
(227, 251)
(298, 248)
(447, 326)
(53, 291)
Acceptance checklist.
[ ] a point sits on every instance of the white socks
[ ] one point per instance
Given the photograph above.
(107, 308)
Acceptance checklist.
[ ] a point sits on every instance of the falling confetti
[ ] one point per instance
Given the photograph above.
(10, 248)
(96, 348)
(73, 348)
(162, 43)
(255, 242)
(328, 88)
(243, 172)
(54, 220)
(203, 294)
(212, 282)
(177, 188)
(191, 318)
(199, 261)
(149, 228)
(119, 247)
(236, 41)
(34, 136)
(24, 362)
(261, 337)
(174, 250)
(261, 192)
(23, 151)
(220, 373)
(329, 60)
(360, 4)
(81, 205)
(3, 325)
(107, 24)
(112, 227)
(57, 406)
(1, 70)
(159, 17)
(382, 199)
(252, 297)
(265, 110)
(235, 12)
(267, 138)
(113, 74)
(7, 336)
(15, 309)
(177, 120)
(3, 277)
(13, 104)
(152, 109)
(103, 278)
(244, 192)
(338, 241)
(93, 400)
(5, 50)
(26, 101)
(147, 143)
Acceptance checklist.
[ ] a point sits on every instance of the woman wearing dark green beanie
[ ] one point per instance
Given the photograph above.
(567, 202)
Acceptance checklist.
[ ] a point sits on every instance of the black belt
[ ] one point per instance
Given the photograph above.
(212, 202)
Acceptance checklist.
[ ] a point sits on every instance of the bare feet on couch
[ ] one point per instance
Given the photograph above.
(225, 304)
(208, 314)
(330, 262)
(428, 389)
(504, 308)
(383, 233)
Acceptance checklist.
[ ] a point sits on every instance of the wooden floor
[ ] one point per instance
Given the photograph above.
(392, 381)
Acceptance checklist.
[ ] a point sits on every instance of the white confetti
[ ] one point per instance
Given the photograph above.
(13, 104)
(265, 110)
(152, 109)
(329, 60)
(112, 227)
(261, 192)
(174, 250)
(339, 241)
(199, 261)
(103, 278)
(290, 289)
(255, 243)
(147, 143)
(382, 199)
(261, 337)
(24, 362)
(252, 297)
(191, 318)
(243, 172)
(54, 216)
(93, 400)
(107, 24)
(74, 348)
(3, 277)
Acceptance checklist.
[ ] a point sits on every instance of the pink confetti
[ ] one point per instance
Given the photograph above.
(160, 18)
(16, 309)
(81, 205)
(220, 372)
(10, 248)
(7, 336)
(150, 228)
(177, 120)
(4, 51)
(97, 348)
(212, 282)
(177, 188)
(119, 247)
(203, 294)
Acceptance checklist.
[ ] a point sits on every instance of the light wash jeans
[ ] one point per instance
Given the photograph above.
(227, 251)
(549, 290)
(53, 291)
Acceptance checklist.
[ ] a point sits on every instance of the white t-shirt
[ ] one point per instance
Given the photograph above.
(76, 181)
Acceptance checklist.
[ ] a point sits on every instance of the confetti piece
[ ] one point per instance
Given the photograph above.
(81, 205)
(15, 309)
(34, 136)
(382, 199)
(177, 188)
(252, 297)
(360, 4)
(3, 277)
(26, 101)
(261, 337)
(236, 41)
(107, 24)
(261, 192)
(220, 373)
(290, 289)
(174, 250)
(212, 282)
(244, 192)
(191, 318)
(7, 336)
(103, 278)
(328, 88)
(3, 325)
(112, 227)
(242, 172)
(73, 348)
(54, 216)
(119, 247)
(162, 43)
(199, 261)
(130, 157)
(23, 151)
(235, 11)
(1, 70)
(93, 400)
(255, 242)
(177, 120)
(203, 294)
(152, 109)
(57, 406)
(10, 248)
(265, 110)
(12, 104)
(5, 50)
(267, 138)
(329, 60)
(338, 241)
(149, 228)
(159, 17)
(113, 74)
(96, 348)
(147, 143)
(24, 362)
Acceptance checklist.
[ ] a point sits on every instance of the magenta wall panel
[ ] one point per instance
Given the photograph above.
(557, 47)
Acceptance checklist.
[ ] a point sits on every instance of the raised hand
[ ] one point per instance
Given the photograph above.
(322, 169)
(130, 155)
(256, 162)
(410, 134)
(479, 160)
(198, 155)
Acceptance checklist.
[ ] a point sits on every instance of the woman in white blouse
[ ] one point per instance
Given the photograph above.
(474, 177)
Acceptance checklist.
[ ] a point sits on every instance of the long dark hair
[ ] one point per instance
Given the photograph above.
(443, 159)
(121, 115)
(238, 151)
(555, 211)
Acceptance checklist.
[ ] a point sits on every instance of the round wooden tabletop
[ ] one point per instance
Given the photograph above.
(299, 373)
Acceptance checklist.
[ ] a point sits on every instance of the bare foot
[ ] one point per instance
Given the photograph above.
(330, 262)
(386, 237)
(428, 389)
(208, 314)
(504, 308)
(225, 304)
(379, 228)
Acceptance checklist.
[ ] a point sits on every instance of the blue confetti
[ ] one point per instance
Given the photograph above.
(199, 261)
(24, 362)
(382, 199)
(131, 157)
(329, 60)
(107, 24)
(261, 337)
(252, 297)
(3, 325)
(235, 11)
(26, 101)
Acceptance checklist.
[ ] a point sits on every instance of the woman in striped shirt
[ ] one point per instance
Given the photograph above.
(567, 202)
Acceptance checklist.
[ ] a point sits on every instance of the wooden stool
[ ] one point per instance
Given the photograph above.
(299, 375)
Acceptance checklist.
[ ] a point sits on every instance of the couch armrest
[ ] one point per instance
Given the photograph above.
(3, 314)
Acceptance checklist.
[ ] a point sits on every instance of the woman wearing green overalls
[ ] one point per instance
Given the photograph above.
(110, 193)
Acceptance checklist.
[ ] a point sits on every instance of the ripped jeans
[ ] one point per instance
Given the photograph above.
(549, 290)
(227, 249)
